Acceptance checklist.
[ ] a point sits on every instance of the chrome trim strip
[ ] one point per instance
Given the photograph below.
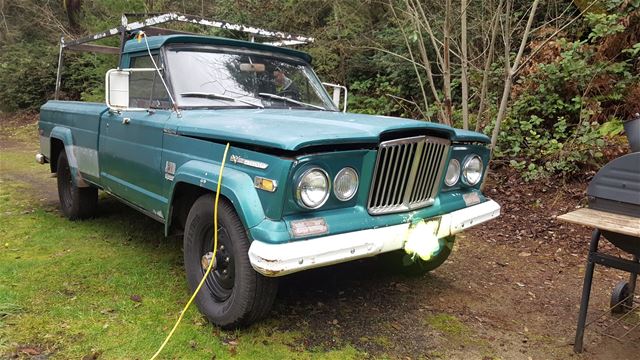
(252, 163)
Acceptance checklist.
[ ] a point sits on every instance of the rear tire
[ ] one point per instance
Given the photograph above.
(234, 294)
(400, 261)
(76, 202)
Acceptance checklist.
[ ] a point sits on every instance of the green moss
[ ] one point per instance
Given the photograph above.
(382, 341)
(448, 325)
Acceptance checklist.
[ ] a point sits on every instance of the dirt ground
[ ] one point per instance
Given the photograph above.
(510, 289)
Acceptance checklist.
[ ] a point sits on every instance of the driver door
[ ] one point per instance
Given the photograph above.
(130, 146)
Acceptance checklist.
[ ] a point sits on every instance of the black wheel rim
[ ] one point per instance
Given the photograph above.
(221, 280)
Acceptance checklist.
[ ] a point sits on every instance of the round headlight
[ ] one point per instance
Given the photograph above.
(345, 184)
(313, 188)
(453, 173)
(472, 170)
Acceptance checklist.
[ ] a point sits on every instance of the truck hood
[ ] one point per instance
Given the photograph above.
(295, 129)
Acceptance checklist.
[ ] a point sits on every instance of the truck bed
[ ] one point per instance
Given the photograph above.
(80, 121)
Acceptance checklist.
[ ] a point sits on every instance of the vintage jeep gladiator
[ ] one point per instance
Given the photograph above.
(305, 185)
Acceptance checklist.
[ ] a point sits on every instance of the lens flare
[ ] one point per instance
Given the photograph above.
(422, 240)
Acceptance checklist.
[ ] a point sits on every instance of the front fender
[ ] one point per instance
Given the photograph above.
(236, 186)
(64, 134)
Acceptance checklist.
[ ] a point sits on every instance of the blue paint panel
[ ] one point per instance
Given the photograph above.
(236, 186)
(295, 129)
(75, 123)
(131, 157)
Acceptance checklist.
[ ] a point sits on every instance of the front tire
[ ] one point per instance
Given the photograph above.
(76, 202)
(234, 294)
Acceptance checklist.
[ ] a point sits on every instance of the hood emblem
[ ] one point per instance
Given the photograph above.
(240, 160)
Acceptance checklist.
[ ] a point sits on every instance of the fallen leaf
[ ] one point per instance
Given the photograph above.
(30, 351)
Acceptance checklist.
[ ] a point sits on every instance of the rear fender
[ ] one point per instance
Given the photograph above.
(237, 187)
(64, 134)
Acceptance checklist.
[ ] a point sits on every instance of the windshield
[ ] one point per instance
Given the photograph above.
(217, 77)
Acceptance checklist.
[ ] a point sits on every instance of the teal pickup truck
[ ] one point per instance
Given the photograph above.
(305, 185)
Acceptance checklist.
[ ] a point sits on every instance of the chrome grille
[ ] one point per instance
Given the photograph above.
(407, 174)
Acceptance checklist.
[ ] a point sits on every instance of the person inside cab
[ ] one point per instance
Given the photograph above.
(285, 86)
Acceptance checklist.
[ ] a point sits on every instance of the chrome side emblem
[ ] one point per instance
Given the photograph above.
(240, 160)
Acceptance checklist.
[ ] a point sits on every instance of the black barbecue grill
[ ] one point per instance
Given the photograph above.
(616, 189)
(614, 212)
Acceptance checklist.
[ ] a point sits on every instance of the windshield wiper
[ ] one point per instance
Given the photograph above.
(278, 97)
(220, 97)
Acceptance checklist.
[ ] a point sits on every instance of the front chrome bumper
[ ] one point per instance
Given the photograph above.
(283, 259)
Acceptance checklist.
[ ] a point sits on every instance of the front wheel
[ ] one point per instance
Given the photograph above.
(415, 266)
(234, 294)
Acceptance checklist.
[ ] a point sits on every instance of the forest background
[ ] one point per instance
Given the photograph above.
(551, 81)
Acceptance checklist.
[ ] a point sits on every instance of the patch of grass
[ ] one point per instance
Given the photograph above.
(448, 325)
(8, 309)
(458, 332)
(23, 128)
(22, 162)
(382, 341)
(68, 288)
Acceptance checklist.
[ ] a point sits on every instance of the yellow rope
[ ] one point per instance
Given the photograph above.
(215, 248)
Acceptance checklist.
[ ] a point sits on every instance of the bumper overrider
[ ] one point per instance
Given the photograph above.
(283, 259)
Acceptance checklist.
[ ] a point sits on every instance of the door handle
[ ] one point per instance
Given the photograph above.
(126, 121)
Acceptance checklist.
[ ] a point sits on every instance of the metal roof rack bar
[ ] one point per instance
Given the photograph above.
(281, 38)
(190, 19)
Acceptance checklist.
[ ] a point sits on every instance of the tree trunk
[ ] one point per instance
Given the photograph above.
(73, 7)
(464, 77)
(446, 66)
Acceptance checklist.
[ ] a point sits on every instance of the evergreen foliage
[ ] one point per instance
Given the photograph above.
(586, 76)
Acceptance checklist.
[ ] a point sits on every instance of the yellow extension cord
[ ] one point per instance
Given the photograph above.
(215, 248)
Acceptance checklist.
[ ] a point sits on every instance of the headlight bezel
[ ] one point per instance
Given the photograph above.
(465, 165)
(458, 173)
(335, 181)
(298, 189)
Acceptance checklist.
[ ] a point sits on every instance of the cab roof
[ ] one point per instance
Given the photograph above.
(155, 42)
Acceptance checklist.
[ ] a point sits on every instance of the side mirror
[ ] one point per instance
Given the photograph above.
(337, 92)
(117, 95)
(117, 89)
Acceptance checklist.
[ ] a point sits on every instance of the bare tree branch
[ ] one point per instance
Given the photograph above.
(415, 68)
(487, 65)
(510, 70)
